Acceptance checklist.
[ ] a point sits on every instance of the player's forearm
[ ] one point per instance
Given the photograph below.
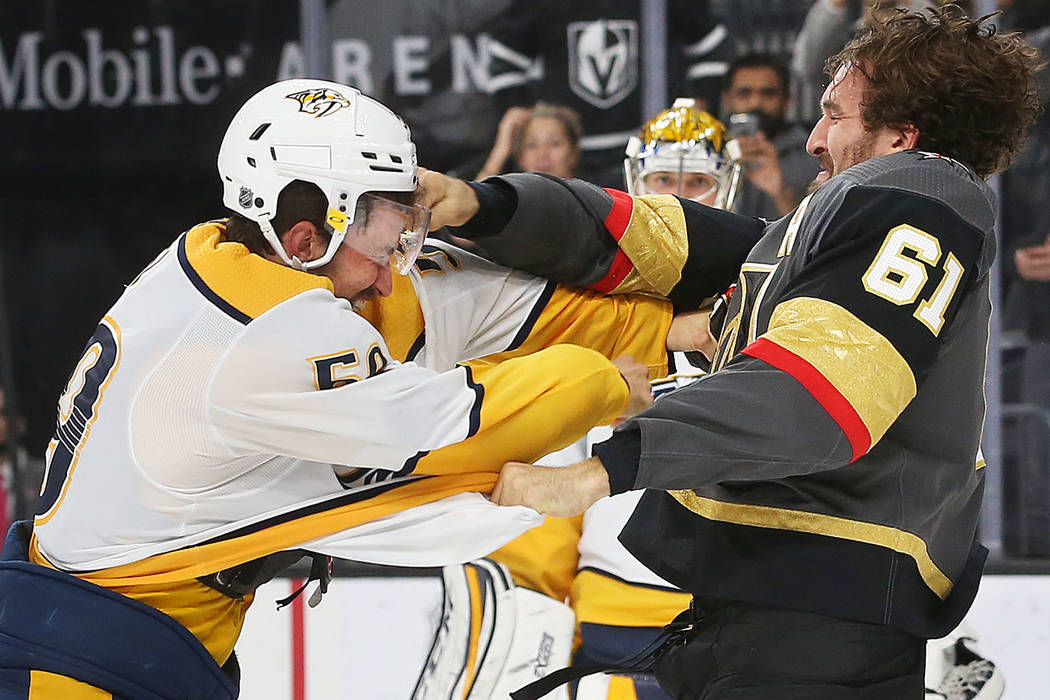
(557, 491)
(578, 234)
(536, 223)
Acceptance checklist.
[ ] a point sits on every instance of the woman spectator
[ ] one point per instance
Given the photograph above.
(544, 138)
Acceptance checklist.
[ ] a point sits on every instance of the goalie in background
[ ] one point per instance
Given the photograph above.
(569, 583)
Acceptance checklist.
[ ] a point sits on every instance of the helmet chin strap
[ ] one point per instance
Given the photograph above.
(275, 242)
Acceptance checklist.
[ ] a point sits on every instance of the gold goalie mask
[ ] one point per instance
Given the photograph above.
(684, 151)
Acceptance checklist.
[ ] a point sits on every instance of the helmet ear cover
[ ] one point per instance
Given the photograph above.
(683, 139)
(345, 143)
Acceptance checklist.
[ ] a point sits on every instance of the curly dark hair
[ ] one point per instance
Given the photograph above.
(970, 91)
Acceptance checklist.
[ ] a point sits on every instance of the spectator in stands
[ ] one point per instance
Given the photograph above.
(544, 138)
(777, 167)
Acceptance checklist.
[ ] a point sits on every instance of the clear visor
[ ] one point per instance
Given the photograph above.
(387, 232)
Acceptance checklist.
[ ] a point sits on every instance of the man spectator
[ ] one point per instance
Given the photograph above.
(777, 168)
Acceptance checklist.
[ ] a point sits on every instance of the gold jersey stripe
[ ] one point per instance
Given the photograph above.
(603, 600)
(820, 524)
(191, 562)
(787, 244)
(249, 283)
(633, 283)
(856, 359)
(655, 241)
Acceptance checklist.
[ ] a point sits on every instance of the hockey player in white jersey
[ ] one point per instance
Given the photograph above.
(197, 435)
(570, 580)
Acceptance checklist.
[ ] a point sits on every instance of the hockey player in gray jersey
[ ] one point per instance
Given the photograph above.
(818, 493)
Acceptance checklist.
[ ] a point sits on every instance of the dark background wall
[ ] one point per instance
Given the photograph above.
(112, 114)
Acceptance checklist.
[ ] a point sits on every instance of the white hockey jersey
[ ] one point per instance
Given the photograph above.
(217, 393)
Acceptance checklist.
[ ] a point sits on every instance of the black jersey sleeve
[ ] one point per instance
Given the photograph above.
(579, 234)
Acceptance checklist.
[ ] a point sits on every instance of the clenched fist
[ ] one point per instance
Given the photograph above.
(451, 202)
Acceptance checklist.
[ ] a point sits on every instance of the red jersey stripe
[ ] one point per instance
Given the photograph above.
(616, 222)
(829, 397)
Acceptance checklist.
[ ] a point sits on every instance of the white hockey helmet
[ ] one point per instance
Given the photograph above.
(344, 142)
(684, 139)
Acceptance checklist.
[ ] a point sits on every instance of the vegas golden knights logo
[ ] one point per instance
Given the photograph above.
(603, 60)
(319, 101)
